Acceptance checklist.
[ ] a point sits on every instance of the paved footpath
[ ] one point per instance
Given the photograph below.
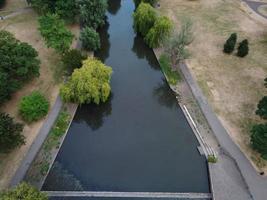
(257, 184)
(254, 5)
(37, 144)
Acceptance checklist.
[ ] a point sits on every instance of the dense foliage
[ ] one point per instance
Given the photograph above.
(144, 18)
(88, 84)
(262, 108)
(259, 139)
(90, 39)
(23, 192)
(73, 59)
(33, 107)
(159, 32)
(43, 6)
(230, 43)
(54, 32)
(10, 133)
(243, 49)
(172, 75)
(2, 2)
(18, 64)
(151, 2)
(92, 12)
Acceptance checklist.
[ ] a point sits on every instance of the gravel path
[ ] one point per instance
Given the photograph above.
(257, 184)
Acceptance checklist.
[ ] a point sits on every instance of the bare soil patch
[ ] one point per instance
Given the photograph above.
(233, 85)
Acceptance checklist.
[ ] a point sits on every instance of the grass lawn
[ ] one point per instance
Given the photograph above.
(232, 85)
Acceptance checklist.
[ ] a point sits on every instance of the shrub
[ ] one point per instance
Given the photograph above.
(243, 49)
(165, 64)
(259, 139)
(33, 107)
(262, 108)
(92, 12)
(229, 45)
(151, 2)
(90, 39)
(159, 32)
(212, 159)
(88, 84)
(23, 192)
(42, 6)
(144, 18)
(54, 32)
(10, 133)
(19, 63)
(67, 10)
(73, 59)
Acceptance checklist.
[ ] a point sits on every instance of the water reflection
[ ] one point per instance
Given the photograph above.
(114, 6)
(144, 52)
(164, 95)
(94, 115)
(103, 53)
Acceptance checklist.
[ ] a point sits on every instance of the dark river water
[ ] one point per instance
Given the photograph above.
(139, 140)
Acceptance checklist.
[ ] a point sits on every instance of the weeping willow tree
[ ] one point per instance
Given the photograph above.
(89, 84)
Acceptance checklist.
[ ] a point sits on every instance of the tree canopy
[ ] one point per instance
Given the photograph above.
(89, 84)
(144, 18)
(55, 33)
(230, 43)
(151, 2)
(72, 60)
(23, 192)
(90, 39)
(10, 133)
(259, 139)
(262, 108)
(92, 12)
(19, 63)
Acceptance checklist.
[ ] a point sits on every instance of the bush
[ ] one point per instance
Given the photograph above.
(212, 159)
(243, 49)
(33, 107)
(144, 18)
(92, 12)
(159, 32)
(67, 10)
(10, 133)
(259, 139)
(229, 45)
(90, 39)
(55, 33)
(19, 63)
(262, 108)
(172, 76)
(151, 2)
(88, 84)
(23, 192)
(73, 59)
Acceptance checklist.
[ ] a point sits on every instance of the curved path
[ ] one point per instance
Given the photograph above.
(254, 5)
(256, 183)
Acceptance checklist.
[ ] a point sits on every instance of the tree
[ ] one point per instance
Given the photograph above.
(176, 45)
(151, 2)
(2, 2)
(262, 108)
(19, 63)
(54, 32)
(10, 133)
(144, 18)
(33, 107)
(265, 82)
(92, 12)
(259, 139)
(67, 10)
(73, 59)
(88, 84)
(243, 49)
(23, 192)
(159, 32)
(229, 45)
(90, 39)
(43, 6)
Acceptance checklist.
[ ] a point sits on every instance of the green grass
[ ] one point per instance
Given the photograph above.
(172, 76)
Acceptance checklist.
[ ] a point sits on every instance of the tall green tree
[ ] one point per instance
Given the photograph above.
(72, 60)
(151, 2)
(19, 63)
(92, 12)
(159, 32)
(67, 10)
(89, 84)
(10, 133)
(43, 6)
(262, 108)
(90, 39)
(243, 49)
(230, 43)
(259, 139)
(23, 192)
(55, 33)
(144, 18)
